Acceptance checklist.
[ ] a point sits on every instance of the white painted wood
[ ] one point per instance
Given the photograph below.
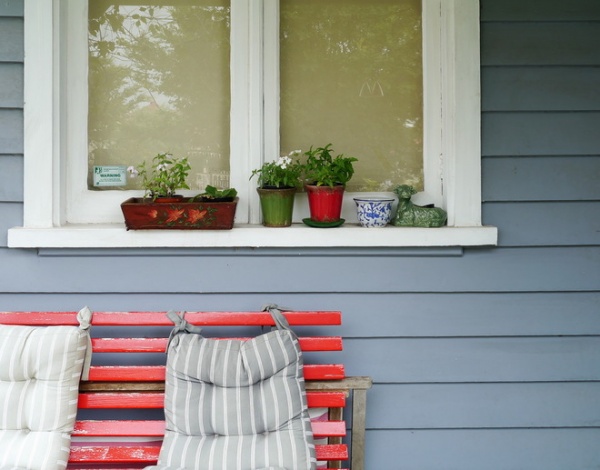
(38, 129)
(240, 145)
(271, 82)
(81, 204)
(432, 102)
(255, 125)
(461, 114)
(299, 235)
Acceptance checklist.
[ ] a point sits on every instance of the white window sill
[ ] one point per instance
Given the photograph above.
(253, 236)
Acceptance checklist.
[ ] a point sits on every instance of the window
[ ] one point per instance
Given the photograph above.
(351, 73)
(61, 211)
(159, 81)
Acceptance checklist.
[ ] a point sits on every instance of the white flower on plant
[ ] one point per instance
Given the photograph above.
(162, 167)
(283, 162)
(132, 171)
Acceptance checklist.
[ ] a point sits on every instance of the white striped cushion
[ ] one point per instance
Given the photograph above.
(40, 369)
(236, 405)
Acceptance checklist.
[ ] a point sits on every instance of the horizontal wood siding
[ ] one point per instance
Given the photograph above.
(539, 11)
(11, 38)
(11, 90)
(490, 449)
(544, 269)
(488, 405)
(540, 133)
(565, 178)
(513, 401)
(409, 315)
(483, 358)
(12, 188)
(11, 130)
(510, 43)
(573, 223)
(528, 88)
(11, 121)
(11, 8)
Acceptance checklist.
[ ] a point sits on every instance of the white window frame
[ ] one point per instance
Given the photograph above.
(452, 142)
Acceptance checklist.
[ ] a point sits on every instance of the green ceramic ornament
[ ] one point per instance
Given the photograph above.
(411, 215)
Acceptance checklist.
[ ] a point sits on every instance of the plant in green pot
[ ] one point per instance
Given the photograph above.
(326, 176)
(278, 182)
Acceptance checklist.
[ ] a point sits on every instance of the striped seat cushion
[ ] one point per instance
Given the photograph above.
(236, 405)
(40, 368)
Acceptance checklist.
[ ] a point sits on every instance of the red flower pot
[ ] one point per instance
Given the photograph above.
(325, 202)
(145, 214)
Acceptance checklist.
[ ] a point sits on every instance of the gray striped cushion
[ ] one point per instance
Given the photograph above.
(236, 405)
(39, 378)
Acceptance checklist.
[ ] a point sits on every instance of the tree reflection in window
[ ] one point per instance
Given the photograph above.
(159, 82)
(351, 74)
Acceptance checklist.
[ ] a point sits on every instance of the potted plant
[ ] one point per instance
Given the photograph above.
(212, 194)
(161, 208)
(277, 185)
(164, 178)
(326, 176)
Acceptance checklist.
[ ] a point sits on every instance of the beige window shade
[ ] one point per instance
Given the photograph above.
(351, 75)
(159, 81)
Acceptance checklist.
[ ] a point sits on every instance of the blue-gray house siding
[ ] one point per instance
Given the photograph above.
(482, 358)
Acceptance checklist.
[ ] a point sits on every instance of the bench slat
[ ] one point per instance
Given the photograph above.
(147, 453)
(347, 384)
(156, 428)
(159, 345)
(217, 318)
(322, 318)
(120, 428)
(157, 373)
(148, 400)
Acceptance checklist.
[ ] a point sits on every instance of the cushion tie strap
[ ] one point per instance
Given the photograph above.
(181, 325)
(84, 316)
(280, 321)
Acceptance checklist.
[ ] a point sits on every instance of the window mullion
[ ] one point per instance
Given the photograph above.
(247, 115)
(433, 155)
(271, 79)
(462, 166)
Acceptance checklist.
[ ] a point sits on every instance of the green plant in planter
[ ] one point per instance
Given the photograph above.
(167, 175)
(324, 169)
(213, 194)
(285, 172)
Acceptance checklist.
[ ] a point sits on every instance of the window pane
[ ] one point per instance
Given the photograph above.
(351, 75)
(159, 82)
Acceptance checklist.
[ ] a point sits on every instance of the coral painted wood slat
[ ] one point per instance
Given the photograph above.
(157, 373)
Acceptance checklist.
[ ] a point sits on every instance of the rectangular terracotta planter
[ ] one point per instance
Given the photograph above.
(143, 214)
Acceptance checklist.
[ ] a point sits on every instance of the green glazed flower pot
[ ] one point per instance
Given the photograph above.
(277, 206)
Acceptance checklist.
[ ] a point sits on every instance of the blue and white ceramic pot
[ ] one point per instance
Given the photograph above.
(374, 211)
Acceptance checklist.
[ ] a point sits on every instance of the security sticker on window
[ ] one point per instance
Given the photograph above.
(110, 176)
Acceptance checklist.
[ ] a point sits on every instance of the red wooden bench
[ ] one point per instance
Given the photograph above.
(123, 384)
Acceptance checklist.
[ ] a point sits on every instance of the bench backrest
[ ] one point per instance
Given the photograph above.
(130, 383)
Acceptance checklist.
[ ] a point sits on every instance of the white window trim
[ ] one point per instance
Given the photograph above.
(452, 119)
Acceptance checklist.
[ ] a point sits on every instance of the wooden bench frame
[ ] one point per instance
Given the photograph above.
(126, 387)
